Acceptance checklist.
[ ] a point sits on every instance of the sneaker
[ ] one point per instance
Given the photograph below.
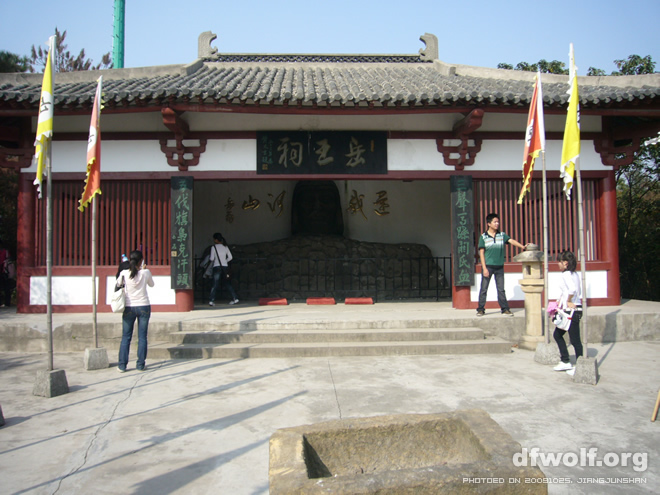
(121, 370)
(142, 369)
(507, 312)
(570, 372)
(563, 366)
(234, 301)
(480, 312)
(211, 303)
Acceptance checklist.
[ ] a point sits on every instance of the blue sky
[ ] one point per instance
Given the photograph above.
(479, 32)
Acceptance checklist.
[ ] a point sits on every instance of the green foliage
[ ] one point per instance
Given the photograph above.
(64, 61)
(638, 200)
(595, 72)
(554, 67)
(10, 62)
(633, 65)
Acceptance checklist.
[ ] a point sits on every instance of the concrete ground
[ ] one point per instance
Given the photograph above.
(203, 426)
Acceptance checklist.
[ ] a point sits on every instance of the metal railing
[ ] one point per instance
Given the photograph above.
(298, 279)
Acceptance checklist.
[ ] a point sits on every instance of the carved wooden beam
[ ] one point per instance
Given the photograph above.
(174, 122)
(176, 155)
(470, 123)
(463, 153)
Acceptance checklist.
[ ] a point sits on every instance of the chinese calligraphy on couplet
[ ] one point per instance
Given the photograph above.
(462, 223)
(181, 239)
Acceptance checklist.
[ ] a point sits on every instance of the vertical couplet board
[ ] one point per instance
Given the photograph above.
(462, 229)
(182, 263)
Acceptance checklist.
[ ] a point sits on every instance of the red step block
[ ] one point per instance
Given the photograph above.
(359, 300)
(321, 300)
(273, 301)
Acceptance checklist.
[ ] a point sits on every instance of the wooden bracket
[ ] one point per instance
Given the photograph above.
(622, 139)
(461, 132)
(21, 136)
(176, 155)
(16, 157)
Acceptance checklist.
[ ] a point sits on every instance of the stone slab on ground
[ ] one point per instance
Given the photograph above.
(404, 453)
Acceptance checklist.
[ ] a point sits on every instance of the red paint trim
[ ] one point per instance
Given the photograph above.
(430, 135)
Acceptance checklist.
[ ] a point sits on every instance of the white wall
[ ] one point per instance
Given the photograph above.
(596, 286)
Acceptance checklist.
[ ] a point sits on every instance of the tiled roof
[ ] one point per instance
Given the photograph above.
(322, 81)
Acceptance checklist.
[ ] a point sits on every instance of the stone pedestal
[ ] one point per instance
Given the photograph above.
(586, 371)
(532, 285)
(96, 359)
(547, 353)
(50, 383)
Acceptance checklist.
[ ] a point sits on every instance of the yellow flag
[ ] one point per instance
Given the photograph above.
(570, 151)
(45, 123)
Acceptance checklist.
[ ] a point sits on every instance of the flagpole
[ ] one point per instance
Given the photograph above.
(546, 319)
(583, 258)
(94, 327)
(49, 257)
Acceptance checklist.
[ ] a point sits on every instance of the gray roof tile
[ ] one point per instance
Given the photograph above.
(323, 80)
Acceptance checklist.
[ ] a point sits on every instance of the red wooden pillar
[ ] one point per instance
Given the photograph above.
(185, 300)
(609, 238)
(25, 242)
(460, 297)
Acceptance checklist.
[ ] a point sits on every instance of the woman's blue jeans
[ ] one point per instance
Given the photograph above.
(131, 313)
(220, 278)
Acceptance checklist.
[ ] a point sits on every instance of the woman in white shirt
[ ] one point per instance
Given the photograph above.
(220, 257)
(570, 298)
(135, 281)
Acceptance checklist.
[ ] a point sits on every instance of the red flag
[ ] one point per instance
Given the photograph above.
(534, 137)
(93, 180)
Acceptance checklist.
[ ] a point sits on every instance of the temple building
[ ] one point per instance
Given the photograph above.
(366, 175)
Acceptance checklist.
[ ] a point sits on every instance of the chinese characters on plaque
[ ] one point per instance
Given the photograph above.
(276, 204)
(182, 230)
(462, 228)
(321, 152)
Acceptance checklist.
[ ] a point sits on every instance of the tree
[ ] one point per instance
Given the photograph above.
(638, 201)
(634, 65)
(554, 67)
(10, 62)
(64, 61)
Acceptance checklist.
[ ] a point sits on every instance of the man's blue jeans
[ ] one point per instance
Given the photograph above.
(498, 271)
(131, 313)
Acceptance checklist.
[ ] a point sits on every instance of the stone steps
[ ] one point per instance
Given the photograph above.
(321, 343)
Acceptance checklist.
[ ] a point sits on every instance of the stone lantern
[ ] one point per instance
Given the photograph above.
(532, 285)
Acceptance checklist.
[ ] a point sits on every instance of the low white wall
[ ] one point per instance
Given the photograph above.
(73, 290)
(596, 286)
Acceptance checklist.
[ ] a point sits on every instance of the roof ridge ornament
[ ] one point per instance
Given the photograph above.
(430, 51)
(204, 48)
